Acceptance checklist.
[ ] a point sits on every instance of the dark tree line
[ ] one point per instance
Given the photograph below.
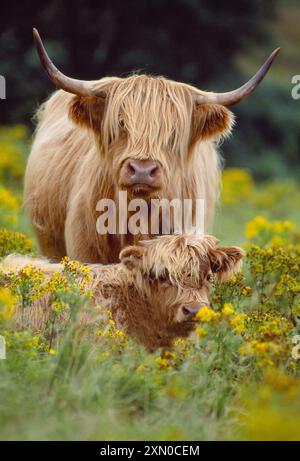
(189, 40)
(194, 41)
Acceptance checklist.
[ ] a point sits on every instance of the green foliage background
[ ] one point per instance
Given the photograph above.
(214, 45)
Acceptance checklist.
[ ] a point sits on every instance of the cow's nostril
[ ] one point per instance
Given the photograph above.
(154, 172)
(131, 169)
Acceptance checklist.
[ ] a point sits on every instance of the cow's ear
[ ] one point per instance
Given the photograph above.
(132, 256)
(225, 261)
(87, 111)
(210, 121)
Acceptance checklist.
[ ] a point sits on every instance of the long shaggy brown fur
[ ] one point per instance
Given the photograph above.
(81, 144)
(155, 291)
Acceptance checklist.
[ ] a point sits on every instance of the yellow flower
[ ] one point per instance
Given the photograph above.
(179, 342)
(246, 291)
(200, 332)
(232, 281)
(277, 241)
(256, 226)
(9, 206)
(162, 363)
(12, 158)
(7, 304)
(206, 314)
(119, 333)
(275, 327)
(266, 351)
(237, 186)
(52, 351)
(8, 200)
(282, 381)
(228, 310)
(168, 354)
(281, 226)
(237, 323)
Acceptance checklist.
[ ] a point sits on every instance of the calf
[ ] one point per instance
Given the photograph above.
(157, 288)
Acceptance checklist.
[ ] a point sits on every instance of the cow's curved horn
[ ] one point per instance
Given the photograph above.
(71, 85)
(235, 96)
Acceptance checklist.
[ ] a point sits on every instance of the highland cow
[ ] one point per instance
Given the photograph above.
(149, 136)
(155, 291)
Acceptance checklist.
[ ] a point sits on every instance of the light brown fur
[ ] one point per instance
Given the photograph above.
(151, 291)
(81, 144)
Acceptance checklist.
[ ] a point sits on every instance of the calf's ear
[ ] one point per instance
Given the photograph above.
(211, 120)
(132, 257)
(225, 261)
(87, 111)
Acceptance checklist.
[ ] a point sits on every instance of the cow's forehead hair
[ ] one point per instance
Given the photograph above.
(155, 112)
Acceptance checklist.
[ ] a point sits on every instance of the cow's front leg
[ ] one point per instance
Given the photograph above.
(84, 243)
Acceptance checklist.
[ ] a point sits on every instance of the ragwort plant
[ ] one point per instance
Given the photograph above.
(237, 376)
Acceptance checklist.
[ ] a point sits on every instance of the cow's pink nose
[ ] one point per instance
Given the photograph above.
(146, 172)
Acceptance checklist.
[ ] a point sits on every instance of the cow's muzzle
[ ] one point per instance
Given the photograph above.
(142, 177)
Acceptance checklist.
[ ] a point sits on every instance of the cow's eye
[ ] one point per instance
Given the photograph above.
(162, 278)
(165, 277)
(152, 275)
(209, 277)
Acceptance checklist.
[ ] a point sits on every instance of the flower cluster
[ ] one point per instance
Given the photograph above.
(14, 242)
(276, 233)
(270, 409)
(247, 341)
(109, 332)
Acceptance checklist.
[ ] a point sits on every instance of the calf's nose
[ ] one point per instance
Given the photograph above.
(190, 310)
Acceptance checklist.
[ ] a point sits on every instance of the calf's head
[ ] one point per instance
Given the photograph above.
(171, 278)
(146, 127)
